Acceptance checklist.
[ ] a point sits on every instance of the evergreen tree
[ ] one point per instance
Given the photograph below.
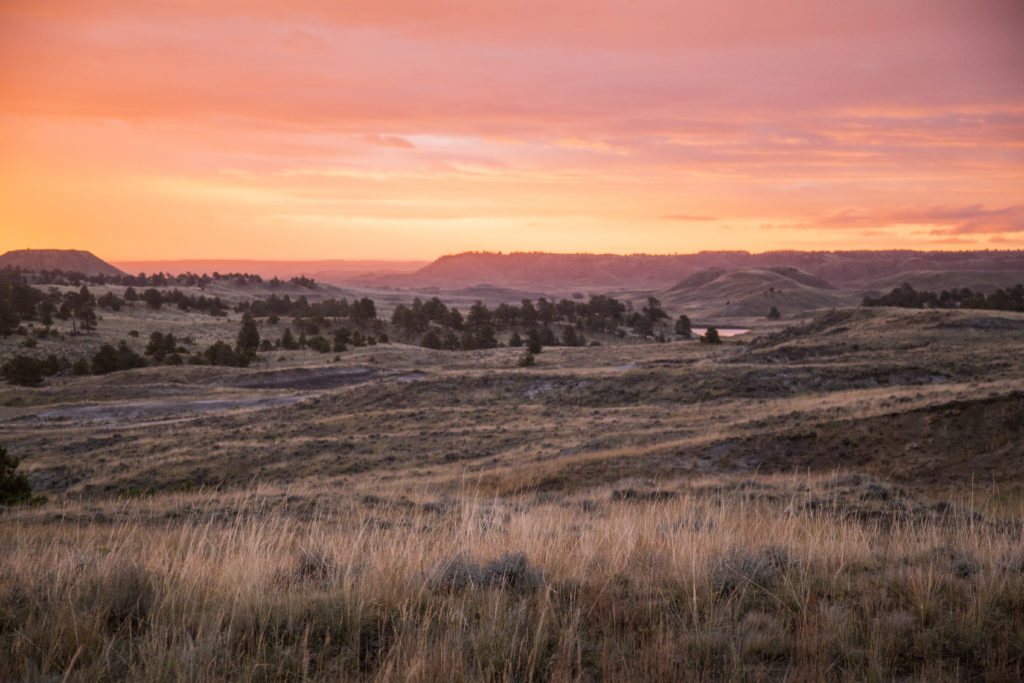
(683, 327)
(249, 335)
(431, 340)
(569, 337)
(14, 488)
(288, 341)
(24, 370)
(533, 344)
(341, 339)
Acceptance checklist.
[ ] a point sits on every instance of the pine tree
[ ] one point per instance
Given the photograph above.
(249, 335)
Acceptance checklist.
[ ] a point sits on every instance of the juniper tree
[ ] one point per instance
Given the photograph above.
(14, 488)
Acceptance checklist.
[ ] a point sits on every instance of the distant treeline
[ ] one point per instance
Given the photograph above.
(324, 326)
(162, 349)
(905, 296)
(434, 324)
(156, 299)
(74, 279)
(21, 302)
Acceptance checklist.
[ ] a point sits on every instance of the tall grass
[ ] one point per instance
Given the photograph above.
(724, 579)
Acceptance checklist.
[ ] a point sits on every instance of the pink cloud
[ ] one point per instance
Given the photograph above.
(683, 217)
(777, 112)
(388, 141)
(975, 219)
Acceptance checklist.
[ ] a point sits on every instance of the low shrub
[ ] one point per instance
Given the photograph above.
(14, 488)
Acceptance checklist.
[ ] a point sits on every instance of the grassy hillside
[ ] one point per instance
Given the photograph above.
(840, 499)
(752, 292)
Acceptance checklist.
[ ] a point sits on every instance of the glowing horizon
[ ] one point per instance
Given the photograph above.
(408, 130)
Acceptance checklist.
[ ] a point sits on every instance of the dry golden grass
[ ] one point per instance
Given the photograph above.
(724, 578)
(620, 512)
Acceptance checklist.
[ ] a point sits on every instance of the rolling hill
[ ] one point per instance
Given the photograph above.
(752, 292)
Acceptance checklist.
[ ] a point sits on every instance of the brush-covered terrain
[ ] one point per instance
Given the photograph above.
(839, 498)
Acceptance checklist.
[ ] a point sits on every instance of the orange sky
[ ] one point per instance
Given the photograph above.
(370, 129)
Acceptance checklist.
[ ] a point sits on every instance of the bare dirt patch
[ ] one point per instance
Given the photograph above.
(308, 379)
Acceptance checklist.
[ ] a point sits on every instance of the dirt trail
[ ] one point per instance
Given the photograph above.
(308, 378)
(143, 409)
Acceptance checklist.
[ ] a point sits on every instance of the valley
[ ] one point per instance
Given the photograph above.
(827, 493)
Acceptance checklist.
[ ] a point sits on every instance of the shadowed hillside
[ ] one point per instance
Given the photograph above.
(565, 273)
(938, 280)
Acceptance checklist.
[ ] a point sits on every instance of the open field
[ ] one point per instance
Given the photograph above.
(840, 499)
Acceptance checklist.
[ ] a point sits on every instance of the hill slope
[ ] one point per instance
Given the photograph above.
(752, 292)
(562, 273)
(68, 260)
(938, 280)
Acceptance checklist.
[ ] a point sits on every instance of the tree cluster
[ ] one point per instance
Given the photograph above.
(361, 311)
(20, 302)
(437, 326)
(62, 277)
(156, 299)
(905, 296)
(30, 371)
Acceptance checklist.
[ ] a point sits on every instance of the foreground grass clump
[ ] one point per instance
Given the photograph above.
(734, 579)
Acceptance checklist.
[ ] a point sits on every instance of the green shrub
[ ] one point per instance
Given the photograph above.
(14, 488)
(711, 336)
(220, 353)
(110, 359)
(319, 343)
(24, 370)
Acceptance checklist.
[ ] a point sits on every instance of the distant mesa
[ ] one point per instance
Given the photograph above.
(566, 273)
(67, 260)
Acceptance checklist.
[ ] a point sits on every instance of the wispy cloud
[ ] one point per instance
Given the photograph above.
(642, 130)
(388, 141)
(684, 217)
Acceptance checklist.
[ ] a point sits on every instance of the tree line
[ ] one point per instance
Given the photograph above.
(905, 296)
(188, 279)
(318, 326)
(21, 302)
(434, 325)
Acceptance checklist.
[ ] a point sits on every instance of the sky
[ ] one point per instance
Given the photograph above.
(316, 129)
